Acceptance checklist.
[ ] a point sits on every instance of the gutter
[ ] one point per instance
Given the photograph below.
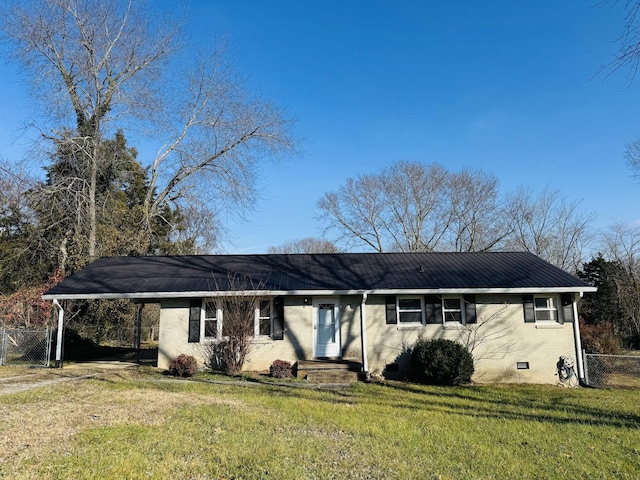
(578, 341)
(209, 293)
(363, 334)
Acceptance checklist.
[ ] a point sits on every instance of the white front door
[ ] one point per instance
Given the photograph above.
(326, 327)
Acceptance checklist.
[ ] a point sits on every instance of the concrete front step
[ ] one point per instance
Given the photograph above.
(332, 376)
(329, 371)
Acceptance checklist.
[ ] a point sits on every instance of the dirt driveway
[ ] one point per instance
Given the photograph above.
(20, 379)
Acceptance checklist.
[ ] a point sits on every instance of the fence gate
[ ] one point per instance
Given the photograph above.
(602, 371)
(25, 347)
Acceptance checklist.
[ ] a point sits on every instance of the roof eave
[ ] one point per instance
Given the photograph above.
(268, 293)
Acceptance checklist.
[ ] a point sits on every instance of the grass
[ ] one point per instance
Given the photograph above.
(138, 425)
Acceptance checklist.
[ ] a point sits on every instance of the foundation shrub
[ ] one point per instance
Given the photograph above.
(183, 366)
(280, 369)
(441, 362)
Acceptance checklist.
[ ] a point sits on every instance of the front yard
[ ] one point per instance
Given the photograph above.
(137, 424)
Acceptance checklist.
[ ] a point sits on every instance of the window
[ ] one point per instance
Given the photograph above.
(546, 309)
(210, 315)
(430, 310)
(410, 310)
(206, 320)
(263, 323)
(452, 311)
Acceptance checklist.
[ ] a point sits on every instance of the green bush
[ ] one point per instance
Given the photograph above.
(280, 369)
(441, 362)
(183, 366)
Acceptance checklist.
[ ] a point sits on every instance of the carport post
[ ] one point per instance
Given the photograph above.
(60, 333)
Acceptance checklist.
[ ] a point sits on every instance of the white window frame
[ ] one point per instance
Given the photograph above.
(399, 311)
(258, 317)
(204, 319)
(463, 316)
(553, 309)
(220, 319)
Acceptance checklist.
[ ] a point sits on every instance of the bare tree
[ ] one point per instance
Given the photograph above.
(26, 256)
(305, 245)
(628, 54)
(398, 209)
(83, 56)
(549, 226)
(621, 244)
(99, 65)
(632, 155)
(229, 352)
(355, 212)
(478, 221)
(13, 199)
(417, 214)
(412, 207)
(627, 58)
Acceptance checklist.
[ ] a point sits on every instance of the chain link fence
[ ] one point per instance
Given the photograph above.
(123, 329)
(612, 371)
(25, 347)
(125, 336)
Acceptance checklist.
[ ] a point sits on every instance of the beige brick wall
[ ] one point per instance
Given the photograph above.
(500, 338)
(297, 338)
(174, 330)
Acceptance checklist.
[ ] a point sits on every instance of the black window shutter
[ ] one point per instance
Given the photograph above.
(390, 304)
(567, 308)
(433, 309)
(529, 312)
(470, 308)
(195, 309)
(277, 326)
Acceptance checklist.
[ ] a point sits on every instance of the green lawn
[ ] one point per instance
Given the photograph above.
(138, 425)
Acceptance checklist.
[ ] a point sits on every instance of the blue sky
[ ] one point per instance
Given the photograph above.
(504, 86)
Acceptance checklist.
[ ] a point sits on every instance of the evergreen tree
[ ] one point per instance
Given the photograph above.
(603, 305)
(61, 207)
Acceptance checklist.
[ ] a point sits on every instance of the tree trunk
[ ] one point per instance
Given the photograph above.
(93, 224)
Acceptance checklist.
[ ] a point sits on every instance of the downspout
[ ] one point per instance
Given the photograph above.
(363, 334)
(578, 341)
(60, 333)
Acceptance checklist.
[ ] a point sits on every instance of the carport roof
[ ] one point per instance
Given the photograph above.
(157, 277)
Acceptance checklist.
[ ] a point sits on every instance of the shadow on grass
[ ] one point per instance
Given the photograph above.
(506, 402)
(525, 403)
(536, 403)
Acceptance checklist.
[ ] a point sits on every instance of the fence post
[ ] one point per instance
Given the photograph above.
(49, 334)
(3, 345)
(586, 367)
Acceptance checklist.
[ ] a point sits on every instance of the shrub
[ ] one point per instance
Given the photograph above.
(183, 366)
(280, 369)
(599, 338)
(441, 362)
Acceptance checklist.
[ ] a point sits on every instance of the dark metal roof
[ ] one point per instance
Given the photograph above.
(179, 276)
